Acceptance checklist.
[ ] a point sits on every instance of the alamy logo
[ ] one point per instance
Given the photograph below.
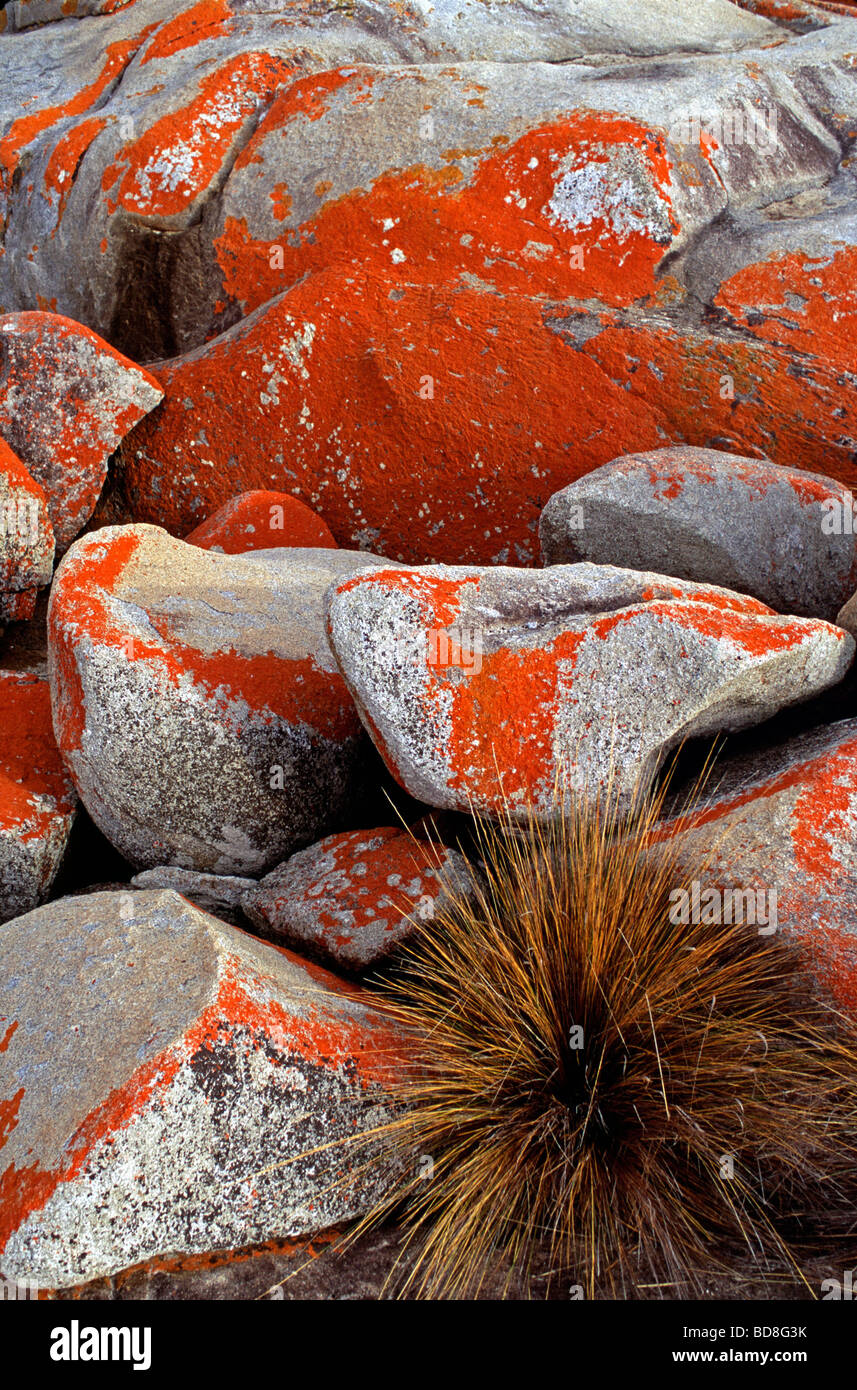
(839, 516)
(19, 517)
(456, 648)
(755, 906)
(735, 126)
(76, 1343)
(844, 1289)
(14, 1290)
(459, 647)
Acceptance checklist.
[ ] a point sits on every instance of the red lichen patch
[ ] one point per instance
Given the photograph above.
(319, 1029)
(349, 900)
(825, 788)
(308, 97)
(25, 129)
(282, 201)
(261, 521)
(799, 302)
(175, 160)
(742, 397)
(440, 419)
(66, 156)
(295, 691)
(668, 478)
(210, 19)
(548, 215)
(438, 422)
(499, 724)
(781, 11)
(66, 399)
(17, 476)
(512, 701)
(743, 632)
(9, 1114)
(34, 786)
(322, 1033)
(810, 863)
(91, 616)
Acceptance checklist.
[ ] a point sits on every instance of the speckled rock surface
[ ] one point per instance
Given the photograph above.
(66, 400)
(26, 539)
(140, 1120)
(784, 535)
(219, 894)
(480, 684)
(261, 521)
(786, 820)
(350, 900)
(37, 799)
(196, 701)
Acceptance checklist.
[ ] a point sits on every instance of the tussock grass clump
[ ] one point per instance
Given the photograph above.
(604, 1097)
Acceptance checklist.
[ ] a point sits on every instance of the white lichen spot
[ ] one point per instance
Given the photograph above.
(617, 191)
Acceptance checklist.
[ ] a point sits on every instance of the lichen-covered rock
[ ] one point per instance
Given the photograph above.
(262, 521)
(198, 137)
(527, 255)
(784, 535)
(66, 400)
(783, 823)
(37, 800)
(26, 14)
(26, 539)
(350, 900)
(196, 700)
(481, 686)
(160, 1068)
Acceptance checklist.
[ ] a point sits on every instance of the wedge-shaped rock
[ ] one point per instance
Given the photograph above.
(67, 399)
(350, 900)
(26, 539)
(219, 894)
(482, 685)
(780, 828)
(37, 800)
(781, 534)
(196, 700)
(160, 1069)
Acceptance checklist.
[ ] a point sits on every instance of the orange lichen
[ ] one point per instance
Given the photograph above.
(261, 521)
(799, 302)
(34, 787)
(25, 129)
(318, 1031)
(210, 19)
(295, 691)
(65, 159)
(485, 226)
(365, 398)
(174, 161)
(9, 1114)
